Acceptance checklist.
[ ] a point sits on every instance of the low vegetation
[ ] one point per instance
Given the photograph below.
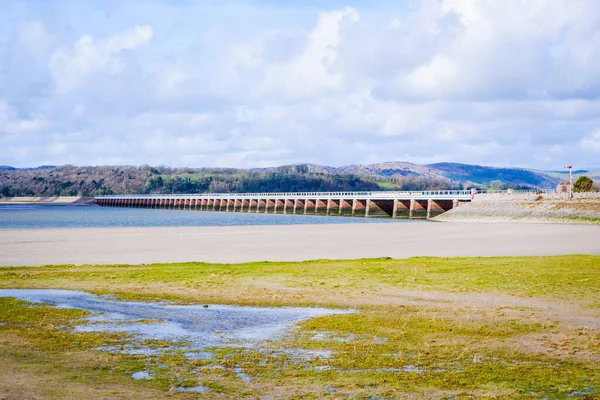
(583, 184)
(526, 327)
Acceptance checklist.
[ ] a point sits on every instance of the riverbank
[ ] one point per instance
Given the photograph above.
(542, 208)
(48, 201)
(236, 244)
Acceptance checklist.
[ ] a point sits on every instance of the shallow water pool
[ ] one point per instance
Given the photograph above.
(198, 326)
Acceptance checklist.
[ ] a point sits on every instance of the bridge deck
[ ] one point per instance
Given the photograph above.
(387, 195)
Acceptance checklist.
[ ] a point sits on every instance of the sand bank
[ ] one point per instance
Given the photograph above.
(48, 201)
(291, 243)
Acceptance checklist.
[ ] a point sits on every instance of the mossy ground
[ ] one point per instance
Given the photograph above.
(426, 327)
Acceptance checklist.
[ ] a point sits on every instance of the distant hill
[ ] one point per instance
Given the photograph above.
(455, 172)
(69, 180)
(9, 168)
(480, 174)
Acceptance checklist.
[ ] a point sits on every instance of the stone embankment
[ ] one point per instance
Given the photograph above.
(528, 207)
(53, 201)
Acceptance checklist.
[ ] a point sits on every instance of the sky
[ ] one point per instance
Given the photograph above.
(260, 83)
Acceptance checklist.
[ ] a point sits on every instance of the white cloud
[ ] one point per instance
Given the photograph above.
(11, 124)
(313, 71)
(591, 143)
(171, 78)
(34, 38)
(71, 68)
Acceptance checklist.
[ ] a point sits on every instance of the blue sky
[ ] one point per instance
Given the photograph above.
(264, 83)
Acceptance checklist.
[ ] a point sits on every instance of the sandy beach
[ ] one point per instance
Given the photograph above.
(23, 247)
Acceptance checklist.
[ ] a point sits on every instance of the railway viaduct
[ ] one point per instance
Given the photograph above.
(415, 204)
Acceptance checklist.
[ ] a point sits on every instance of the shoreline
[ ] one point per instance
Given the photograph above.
(15, 203)
(280, 243)
(48, 201)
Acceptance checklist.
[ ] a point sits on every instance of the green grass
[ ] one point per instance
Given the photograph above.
(453, 342)
(571, 218)
(574, 278)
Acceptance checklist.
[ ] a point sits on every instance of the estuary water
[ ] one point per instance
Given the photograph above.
(43, 216)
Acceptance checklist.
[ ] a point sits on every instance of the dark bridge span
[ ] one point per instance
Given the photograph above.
(423, 204)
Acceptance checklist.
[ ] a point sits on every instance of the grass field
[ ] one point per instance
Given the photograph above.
(525, 327)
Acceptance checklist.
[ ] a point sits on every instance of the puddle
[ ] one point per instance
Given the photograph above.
(197, 389)
(406, 368)
(412, 368)
(239, 372)
(141, 375)
(584, 392)
(197, 326)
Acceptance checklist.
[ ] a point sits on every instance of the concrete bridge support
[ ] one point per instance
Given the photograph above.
(401, 209)
(288, 206)
(436, 207)
(418, 208)
(298, 205)
(333, 206)
(269, 205)
(252, 205)
(320, 206)
(279, 206)
(309, 205)
(360, 208)
(261, 204)
(345, 207)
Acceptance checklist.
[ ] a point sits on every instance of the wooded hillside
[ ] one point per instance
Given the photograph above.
(92, 181)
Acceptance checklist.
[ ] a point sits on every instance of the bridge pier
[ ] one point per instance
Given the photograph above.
(418, 208)
(436, 207)
(319, 205)
(287, 204)
(345, 208)
(269, 205)
(332, 205)
(360, 208)
(401, 209)
(298, 204)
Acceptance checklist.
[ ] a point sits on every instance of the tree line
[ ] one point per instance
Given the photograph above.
(97, 181)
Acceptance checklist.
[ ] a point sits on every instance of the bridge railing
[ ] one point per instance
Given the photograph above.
(439, 194)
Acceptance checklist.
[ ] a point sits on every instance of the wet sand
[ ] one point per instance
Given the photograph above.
(21, 247)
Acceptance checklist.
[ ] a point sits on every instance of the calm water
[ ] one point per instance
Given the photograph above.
(16, 216)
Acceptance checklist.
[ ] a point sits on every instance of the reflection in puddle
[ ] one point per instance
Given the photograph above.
(192, 328)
